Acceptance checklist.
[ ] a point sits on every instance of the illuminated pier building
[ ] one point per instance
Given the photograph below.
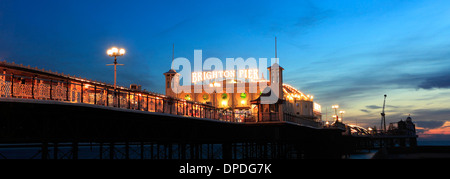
(242, 102)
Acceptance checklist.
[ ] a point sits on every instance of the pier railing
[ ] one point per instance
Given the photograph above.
(18, 81)
(89, 92)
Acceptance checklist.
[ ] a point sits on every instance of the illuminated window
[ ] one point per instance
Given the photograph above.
(187, 97)
(224, 96)
(224, 103)
(205, 97)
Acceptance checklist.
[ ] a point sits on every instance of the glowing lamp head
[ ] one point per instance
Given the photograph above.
(335, 106)
(115, 50)
(122, 51)
(243, 102)
(342, 112)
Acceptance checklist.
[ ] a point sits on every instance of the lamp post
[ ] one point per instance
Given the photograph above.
(114, 52)
(342, 115)
(335, 107)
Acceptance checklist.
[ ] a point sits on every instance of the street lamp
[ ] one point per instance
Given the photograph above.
(342, 115)
(114, 52)
(335, 107)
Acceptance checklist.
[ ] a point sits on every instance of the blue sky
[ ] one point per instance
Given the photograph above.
(348, 52)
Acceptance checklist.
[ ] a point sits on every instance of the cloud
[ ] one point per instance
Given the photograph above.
(365, 110)
(443, 130)
(391, 106)
(373, 107)
(429, 124)
(436, 81)
(432, 123)
(391, 66)
(431, 114)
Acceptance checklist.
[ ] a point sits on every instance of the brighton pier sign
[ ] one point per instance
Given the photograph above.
(212, 69)
(251, 74)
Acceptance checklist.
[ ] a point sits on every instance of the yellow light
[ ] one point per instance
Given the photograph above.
(122, 51)
(86, 86)
(335, 106)
(342, 112)
(109, 52)
(115, 50)
(243, 102)
(224, 103)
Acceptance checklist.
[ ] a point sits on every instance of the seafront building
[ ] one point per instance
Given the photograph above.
(243, 104)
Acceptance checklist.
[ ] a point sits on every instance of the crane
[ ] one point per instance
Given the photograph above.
(383, 116)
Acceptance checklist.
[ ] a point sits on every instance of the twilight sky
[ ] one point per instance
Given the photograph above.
(346, 52)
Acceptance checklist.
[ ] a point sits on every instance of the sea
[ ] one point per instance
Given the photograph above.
(368, 154)
(92, 152)
(433, 142)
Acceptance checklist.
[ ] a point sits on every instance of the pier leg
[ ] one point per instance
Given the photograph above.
(55, 151)
(183, 151)
(142, 150)
(74, 150)
(151, 150)
(170, 146)
(127, 150)
(44, 150)
(101, 150)
(157, 151)
(226, 151)
(191, 151)
(111, 150)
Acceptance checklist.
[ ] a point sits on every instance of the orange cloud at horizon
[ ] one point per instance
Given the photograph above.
(443, 130)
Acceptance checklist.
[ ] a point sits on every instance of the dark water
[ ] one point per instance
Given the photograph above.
(433, 143)
(93, 152)
(364, 154)
(88, 152)
(368, 154)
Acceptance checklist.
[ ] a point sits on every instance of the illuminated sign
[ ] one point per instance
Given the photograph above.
(317, 107)
(210, 75)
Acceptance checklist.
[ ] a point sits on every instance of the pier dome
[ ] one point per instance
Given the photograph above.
(409, 119)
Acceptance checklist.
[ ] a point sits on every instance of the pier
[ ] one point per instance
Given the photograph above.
(54, 124)
(58, 115)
